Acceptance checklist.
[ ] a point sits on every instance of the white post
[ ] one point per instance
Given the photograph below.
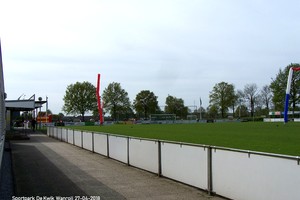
(200, 109)
(46, 109)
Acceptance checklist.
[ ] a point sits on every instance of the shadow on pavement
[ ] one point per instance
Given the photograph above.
(6, 181)
(36, 175)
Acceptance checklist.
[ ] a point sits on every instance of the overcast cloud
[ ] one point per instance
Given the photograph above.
(176, 47)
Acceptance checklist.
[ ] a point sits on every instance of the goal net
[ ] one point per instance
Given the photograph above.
(163, 118)
(191, 117)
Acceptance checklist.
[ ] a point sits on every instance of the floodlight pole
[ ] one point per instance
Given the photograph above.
(40, 124)
(46, 109)
(200, 109)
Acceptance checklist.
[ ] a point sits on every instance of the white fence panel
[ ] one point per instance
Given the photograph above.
(273, 120)
(187, 164)
(59, 133)
(49, 131)
(100, 144)
(52, 131)
(88, 141)
(144, 154)
(77, 138)
(248, 176)
(70, 136)
(55, 133)
(64, 135)
(235, 175)
(118, 148)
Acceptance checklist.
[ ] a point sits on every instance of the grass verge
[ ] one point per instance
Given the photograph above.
(256, 136)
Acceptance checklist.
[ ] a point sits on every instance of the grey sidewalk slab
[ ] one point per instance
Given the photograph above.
(47, 167)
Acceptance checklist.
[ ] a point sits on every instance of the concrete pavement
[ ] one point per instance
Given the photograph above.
(44, 166)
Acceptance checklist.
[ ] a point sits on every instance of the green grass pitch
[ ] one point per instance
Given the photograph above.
(276, 138)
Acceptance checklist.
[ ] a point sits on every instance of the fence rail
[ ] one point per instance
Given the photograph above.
(232, 173)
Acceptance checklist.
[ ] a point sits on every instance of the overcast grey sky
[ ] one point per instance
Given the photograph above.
(176, 47)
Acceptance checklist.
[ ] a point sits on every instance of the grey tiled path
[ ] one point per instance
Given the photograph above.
(46, 167)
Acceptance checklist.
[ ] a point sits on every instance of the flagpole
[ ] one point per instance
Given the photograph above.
(200, 109)
(46, 109)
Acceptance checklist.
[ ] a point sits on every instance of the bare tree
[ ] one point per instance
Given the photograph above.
(251, 96)
(240, 101)
(266, 96)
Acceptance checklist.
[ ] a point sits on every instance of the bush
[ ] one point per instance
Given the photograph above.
(89, 123)
(210, 121)
(59, 124)
(251, 119)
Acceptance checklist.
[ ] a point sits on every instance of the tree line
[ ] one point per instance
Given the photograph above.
(224, 100)
(80, 98)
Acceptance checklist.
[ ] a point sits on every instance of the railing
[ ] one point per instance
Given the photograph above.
(232, 173)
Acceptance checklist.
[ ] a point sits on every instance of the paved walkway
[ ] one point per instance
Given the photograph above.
(47, 167)
(6, 181)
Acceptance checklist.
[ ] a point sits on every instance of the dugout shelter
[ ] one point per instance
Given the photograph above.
(15, 107)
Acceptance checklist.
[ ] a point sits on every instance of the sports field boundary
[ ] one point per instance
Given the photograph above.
(227, 172)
